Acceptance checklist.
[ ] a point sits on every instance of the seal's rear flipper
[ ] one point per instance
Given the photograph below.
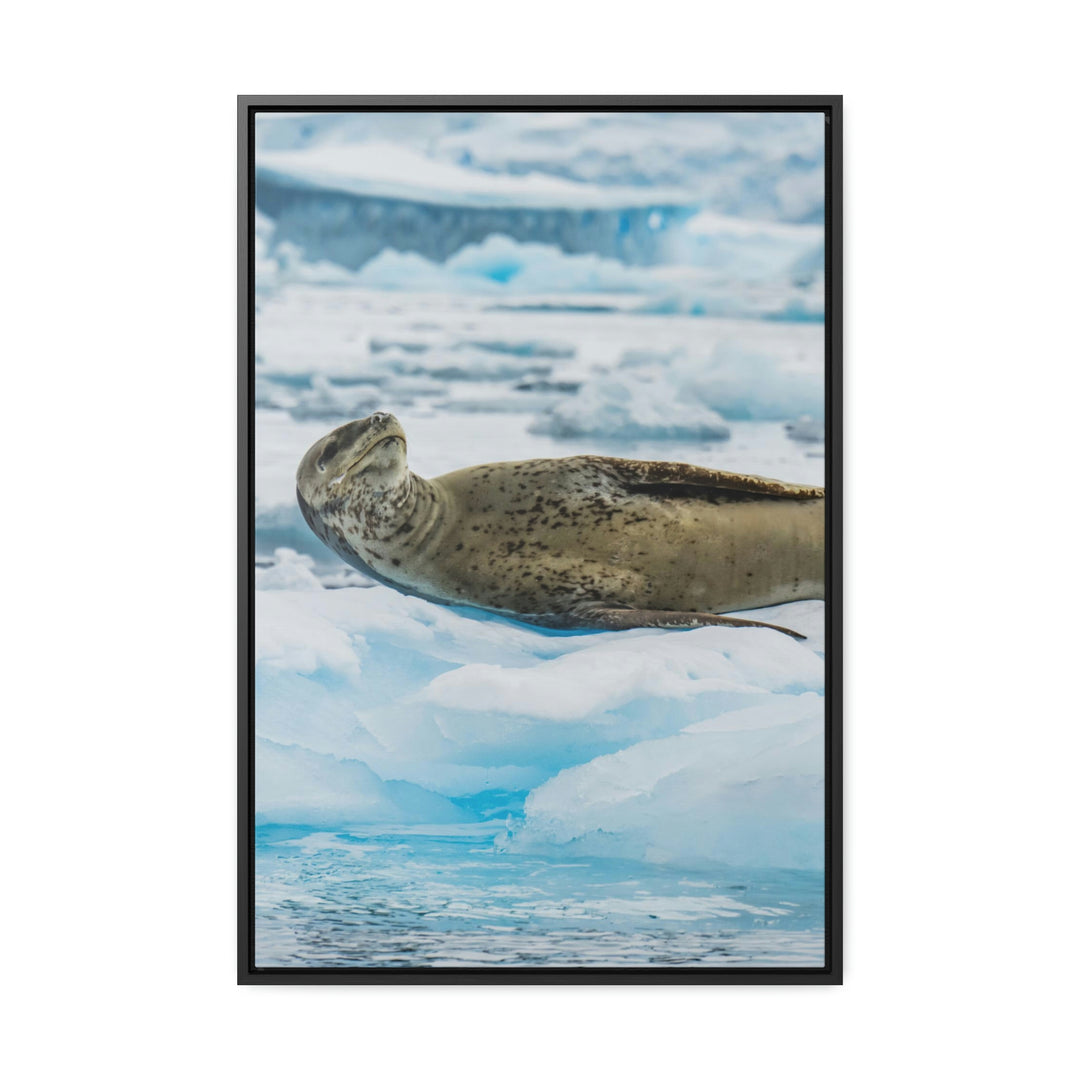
(633, 618)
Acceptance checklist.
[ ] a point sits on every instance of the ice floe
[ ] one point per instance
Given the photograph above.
(614, 407)
(460, 703)
(806, 429)
(305, 788)
(744, 788)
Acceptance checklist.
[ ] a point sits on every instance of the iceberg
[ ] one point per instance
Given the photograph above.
(614, 407)
(499, 265)
(669, 394)
(744, 385)
(806, 429)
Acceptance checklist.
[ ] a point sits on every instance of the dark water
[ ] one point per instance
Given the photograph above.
(452, 899)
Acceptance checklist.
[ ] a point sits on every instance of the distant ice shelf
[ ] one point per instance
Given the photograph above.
(346, 203)
(350, 228)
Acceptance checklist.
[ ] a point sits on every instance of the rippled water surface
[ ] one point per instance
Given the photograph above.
(394, 898)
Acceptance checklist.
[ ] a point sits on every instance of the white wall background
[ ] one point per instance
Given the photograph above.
(117, 221)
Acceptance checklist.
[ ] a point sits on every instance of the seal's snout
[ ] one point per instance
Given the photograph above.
(374, 429)
(371, 427)
(354, 439)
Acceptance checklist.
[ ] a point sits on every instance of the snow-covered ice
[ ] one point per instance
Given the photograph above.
(806, 429)
(461, 703)
(744, 788)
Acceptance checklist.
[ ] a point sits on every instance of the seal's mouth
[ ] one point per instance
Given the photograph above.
(365, 454)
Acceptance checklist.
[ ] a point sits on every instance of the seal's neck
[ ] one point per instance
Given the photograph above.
(405, 515)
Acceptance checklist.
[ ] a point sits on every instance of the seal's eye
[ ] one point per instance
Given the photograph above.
(329, 451)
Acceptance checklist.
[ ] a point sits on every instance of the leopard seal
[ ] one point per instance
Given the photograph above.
(581, 542)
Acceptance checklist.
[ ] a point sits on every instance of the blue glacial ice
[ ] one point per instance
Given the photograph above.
(499, 266)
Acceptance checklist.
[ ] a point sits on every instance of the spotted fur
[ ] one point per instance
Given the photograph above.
(575, 542)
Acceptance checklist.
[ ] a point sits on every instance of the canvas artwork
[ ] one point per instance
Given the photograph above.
(540, 446)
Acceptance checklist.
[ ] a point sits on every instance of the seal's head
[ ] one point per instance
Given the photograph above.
(361, 463)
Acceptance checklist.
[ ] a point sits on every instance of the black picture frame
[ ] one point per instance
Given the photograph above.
(831, 972)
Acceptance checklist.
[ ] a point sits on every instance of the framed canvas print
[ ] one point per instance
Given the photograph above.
(539, 539)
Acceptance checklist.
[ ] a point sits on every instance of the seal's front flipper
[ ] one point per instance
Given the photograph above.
(633, 618)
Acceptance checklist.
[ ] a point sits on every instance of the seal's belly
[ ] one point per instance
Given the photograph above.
(640, 551)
